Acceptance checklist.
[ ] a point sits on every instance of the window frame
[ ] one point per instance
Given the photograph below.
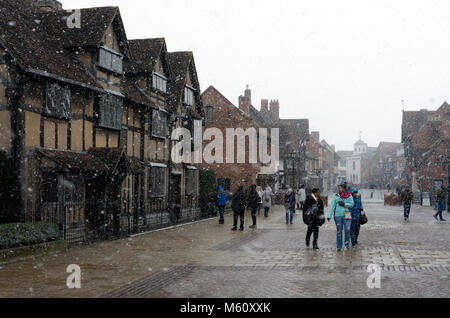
(210, 113)
(106, 58)
(159, 123)
(191, 182)
(186, 99)
(157, 192)
(105, 106)
(162, 85)
(57, 112)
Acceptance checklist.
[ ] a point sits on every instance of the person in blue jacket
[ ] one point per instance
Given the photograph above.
(356, 214)
(340, 207)
(221, 201)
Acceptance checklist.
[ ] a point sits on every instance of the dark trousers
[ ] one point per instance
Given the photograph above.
(259, 208)
(266, 212)
(222, 212)
(407, 210)
(354, 231)
(440, 208)
(312, 229)
(254, 211)
(239, 214)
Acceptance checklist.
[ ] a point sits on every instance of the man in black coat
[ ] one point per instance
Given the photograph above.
(238, 205)
(254, 202)
(313, 204)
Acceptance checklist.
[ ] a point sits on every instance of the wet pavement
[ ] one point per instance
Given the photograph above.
(206, 259)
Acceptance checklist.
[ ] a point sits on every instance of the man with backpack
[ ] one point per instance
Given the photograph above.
(313, 217)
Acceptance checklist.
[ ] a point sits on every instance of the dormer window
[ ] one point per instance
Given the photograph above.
(189, 96)
(159, 82)
(110, 60)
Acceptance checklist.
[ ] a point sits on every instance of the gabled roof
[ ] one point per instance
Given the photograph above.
(144, 53)
(179, 64)
(413, 121)
(236, 112)
(94, 23)
(23, 34)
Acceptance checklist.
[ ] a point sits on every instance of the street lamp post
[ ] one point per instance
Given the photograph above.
(448, 184)
(293, 155)
(302, 147)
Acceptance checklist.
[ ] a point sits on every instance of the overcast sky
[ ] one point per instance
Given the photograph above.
(345, 65)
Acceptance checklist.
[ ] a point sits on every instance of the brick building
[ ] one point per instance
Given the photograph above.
(386, 168)
(220, 113)
(426, 135)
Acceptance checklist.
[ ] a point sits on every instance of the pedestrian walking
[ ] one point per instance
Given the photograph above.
(313, 217)
(254, 201)
(340, 208)
(407, 198)
(267, 201)
(221, 202)
(308, 190)
(301, 197)
(238, 205)
(289, 205)
(356, 215)
(260, 193)
(441, 197)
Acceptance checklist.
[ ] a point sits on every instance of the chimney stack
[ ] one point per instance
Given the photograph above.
(275, 109)
(315, 135)
(265, 106)
(246, 101)
(244, 104)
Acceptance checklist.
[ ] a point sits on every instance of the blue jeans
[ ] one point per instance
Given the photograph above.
(440, 208)
(407, 210)
(342, 225)
(354, 231)
(221, 212)
(289, 215)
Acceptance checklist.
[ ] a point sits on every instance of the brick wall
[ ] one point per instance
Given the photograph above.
(226, 115)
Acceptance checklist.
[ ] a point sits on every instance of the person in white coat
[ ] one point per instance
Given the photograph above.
(301, 197)
(267, 201)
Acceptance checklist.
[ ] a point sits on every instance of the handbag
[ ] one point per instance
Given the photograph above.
(363, 218)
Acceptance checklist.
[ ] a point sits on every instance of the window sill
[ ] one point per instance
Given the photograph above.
(159, 137)
(110, 128)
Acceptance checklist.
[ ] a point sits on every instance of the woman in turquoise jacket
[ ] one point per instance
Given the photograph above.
(340, 206)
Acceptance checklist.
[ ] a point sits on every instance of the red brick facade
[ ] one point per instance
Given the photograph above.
(226, 115)
(427, 147)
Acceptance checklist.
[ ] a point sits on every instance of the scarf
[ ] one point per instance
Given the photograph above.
(345, 195)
